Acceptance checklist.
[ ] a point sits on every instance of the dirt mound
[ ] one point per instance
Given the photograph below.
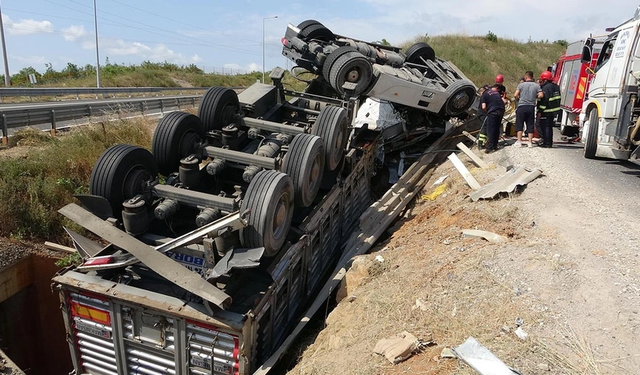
(440, 286)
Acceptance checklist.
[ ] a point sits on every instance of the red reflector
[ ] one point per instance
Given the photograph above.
(98, 261)
(84, 311)
(284, 41)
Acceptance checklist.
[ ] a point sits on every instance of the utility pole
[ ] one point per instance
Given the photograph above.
(265, 18)
(7, 82)
(95, 22)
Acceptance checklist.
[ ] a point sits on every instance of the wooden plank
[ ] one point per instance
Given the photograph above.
(471, 181)
(472, 155)
(58, 247)
(14, 278)
(471, 137)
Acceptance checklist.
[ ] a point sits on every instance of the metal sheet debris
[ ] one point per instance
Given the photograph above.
(489, 236)
(236, 258)
(506, 183)
(481, 359)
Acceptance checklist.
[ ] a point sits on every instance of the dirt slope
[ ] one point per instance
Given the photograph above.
(574, 288)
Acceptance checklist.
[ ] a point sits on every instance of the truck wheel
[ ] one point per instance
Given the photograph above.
(332, 126)
(312, 29)
(218, 108)
(121, 173)
(304, 163)
(462, 93)
(351, 67)
(331, 59)
(269, 200)
(175, 137)
(591, 141)
(420, 51)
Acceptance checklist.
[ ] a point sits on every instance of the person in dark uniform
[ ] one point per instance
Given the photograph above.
(548, 106)
(482, 116)
(493, 104)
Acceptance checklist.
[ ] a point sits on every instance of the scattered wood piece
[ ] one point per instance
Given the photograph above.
(471, 181)
(475, 158)
(471, 137)
(489, 236)
(58, 247)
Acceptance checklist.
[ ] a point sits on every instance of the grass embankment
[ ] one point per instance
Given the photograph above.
(36, 184)
(47, 172)
(482, 58)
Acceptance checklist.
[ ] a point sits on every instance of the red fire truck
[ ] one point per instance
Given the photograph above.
(574, 77)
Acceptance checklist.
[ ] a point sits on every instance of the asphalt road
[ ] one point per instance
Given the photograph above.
(621, 177)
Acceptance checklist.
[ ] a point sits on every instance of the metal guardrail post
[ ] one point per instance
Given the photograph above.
(162, 106)
(193, 101)
(90, 111)
(5, 135)
(142, 108)
(53, 123)
(178, 103)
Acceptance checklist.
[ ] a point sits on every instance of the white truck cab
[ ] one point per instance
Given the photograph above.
(610, 113)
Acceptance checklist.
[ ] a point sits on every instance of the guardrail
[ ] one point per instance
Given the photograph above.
(60, 91)
(30, 116)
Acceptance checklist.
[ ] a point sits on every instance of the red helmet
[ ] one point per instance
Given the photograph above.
(499, 78)
(546, 76)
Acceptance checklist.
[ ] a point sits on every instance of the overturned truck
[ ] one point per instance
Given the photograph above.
(216, 240)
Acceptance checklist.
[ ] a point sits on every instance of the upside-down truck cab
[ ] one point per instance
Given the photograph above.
(611, 113)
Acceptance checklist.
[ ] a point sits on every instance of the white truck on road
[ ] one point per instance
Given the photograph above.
(611, 113)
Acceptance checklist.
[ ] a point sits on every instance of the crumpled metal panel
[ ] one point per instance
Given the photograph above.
(506, 183)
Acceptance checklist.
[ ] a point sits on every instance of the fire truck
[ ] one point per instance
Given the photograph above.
(611, 113)
(573, 76)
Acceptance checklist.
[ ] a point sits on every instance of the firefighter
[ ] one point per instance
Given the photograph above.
(493, 104)
(548, 107)
(501, 89)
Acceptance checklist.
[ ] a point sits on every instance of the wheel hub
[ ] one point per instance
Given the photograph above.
(353, 75)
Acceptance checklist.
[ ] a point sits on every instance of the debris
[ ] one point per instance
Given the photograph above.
(479, 162)
(471, 137)
(236, 258)
(544, 367)
(420, 304)
(447, 353)
(397, 348)
(379, 258)
(519, 321)
(401, 346)
(471, 181)
(521, 333)
(481, 359)
(489, 236)
(506, 183)
(440, 180)
(351, 298)
(435, 194)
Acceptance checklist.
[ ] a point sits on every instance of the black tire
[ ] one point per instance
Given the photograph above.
(418, 51)
(331, 59)
(269, 199)
(315, 31)
(304, 163)
(462, 95)
(591, 144)
(332, 126)
(218, 108)
(121, 173)
(351, 67)
(308, 23)
(175, 137)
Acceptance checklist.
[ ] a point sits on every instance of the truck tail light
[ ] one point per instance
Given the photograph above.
(98, 261)
(284, 41)
(87, 312)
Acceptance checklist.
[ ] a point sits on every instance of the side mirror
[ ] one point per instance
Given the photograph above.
(586, 55)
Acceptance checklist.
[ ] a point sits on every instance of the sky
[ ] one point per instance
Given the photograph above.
(229, 35)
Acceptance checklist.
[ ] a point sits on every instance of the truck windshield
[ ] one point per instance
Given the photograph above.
(605, 55)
